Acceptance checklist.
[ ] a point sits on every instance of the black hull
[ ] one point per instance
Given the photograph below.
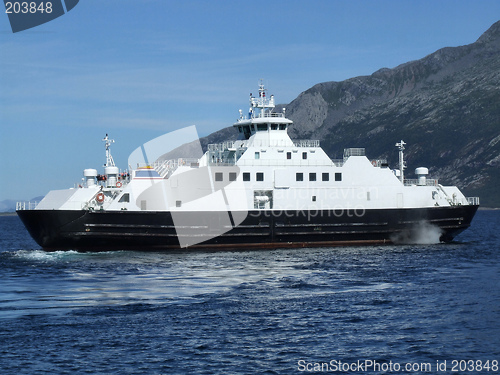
(146, 230)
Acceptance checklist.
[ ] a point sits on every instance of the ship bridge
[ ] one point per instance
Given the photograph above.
(262, 118)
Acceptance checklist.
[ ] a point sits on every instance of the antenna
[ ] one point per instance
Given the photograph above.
(109, 159)
(402, 164)
(262, 102)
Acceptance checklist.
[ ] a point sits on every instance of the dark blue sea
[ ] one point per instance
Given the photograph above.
(406, 309)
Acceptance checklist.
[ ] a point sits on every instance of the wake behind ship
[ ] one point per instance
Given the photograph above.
(263, 190)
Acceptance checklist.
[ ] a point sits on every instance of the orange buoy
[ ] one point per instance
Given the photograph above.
(99, 198)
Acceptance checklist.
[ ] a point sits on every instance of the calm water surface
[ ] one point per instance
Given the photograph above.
(251, 312)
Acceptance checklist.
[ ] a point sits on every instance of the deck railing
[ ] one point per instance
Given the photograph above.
(269, 114)
(354, 152)
(301, 143)
(474, 201)
(22, 206)
(414, 181)
(306, 143)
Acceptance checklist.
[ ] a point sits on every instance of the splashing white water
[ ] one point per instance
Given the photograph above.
(422, 233)
(41, 255)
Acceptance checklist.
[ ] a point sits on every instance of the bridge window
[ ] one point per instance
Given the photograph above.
(282, 126)
(246, 131)
(261, 127)
(274, 126)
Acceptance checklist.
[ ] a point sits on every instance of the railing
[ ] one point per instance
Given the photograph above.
(474, 201)
(301, 143)
(22, 206)
(354, 152)
(428, 182)
(165, 168)
(225, 145)
(287, 162)
(272, 114)
(306, 143)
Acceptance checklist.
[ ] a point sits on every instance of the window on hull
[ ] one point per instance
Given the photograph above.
(125, 198)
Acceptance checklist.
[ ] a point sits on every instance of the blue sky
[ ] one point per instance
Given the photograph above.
(137, 69)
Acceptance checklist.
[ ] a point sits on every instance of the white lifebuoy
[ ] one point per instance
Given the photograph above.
(119, 184)
(374, 163)
(99, 198)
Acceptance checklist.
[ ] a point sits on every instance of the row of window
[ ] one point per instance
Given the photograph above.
(259, 176)
(325, 176)
(288, 155)
(219, 176)
(261, 127)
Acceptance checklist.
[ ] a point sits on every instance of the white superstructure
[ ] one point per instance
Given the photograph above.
(263, 169)
(263, 173)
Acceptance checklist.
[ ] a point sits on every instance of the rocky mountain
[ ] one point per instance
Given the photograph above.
(445, 106)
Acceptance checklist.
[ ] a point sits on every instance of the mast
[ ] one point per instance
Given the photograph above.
(109, 159)
(402, 164)
(261, 102)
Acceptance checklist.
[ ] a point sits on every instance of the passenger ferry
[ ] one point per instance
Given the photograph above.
(263, 190)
